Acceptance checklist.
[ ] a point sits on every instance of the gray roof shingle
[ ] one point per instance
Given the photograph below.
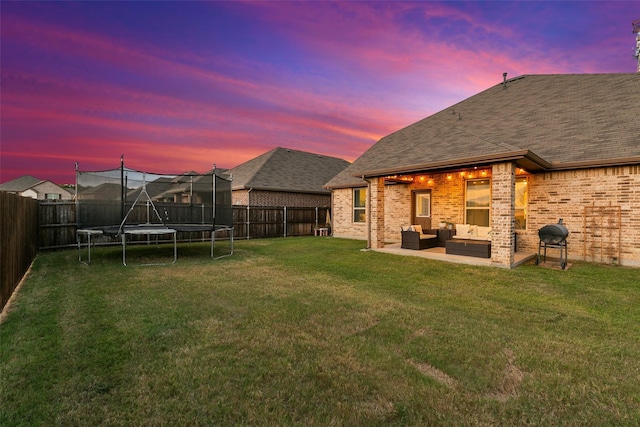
(20, 184)
(563, 121)
(283, 169)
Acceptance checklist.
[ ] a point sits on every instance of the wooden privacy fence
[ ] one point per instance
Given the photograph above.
(258, 221)
(57, 223)
(18, 240)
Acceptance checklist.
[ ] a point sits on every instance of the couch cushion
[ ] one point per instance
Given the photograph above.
(465, 231)
(472, 232)
(484, 233)
(428, 236)
(417, 228)
(462, 231)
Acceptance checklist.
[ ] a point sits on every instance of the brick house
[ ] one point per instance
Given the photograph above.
(285, 177)
(520, 155)
(35, 188)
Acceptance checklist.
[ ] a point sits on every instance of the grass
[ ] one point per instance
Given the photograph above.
(316, 331)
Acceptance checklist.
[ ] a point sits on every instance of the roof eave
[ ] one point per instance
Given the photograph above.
(624, 161)
(282, 190)
(343, 186)
(523, 158)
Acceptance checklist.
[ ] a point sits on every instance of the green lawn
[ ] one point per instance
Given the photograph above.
(316, 331)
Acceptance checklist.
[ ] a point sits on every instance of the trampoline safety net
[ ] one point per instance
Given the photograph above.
(112, 200)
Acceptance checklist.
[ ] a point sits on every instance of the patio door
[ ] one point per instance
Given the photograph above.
(421, 208)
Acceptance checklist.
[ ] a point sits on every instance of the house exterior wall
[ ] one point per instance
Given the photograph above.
(342, 216)
(240, 197)
(397, 210)
(41, 190)
(600, 207)
(279, 198)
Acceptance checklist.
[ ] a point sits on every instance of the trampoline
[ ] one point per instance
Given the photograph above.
(130, 205)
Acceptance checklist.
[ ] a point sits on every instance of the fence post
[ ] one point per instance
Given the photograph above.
(284, 208)
(247, 222)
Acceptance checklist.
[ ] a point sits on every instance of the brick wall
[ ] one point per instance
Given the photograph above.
(503, 184)
(397, 210)
(377, 212)
(240, 197)
(342, 211)
(600, 208)
(280, 198)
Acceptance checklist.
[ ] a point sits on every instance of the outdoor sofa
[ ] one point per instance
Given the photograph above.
(470, 240)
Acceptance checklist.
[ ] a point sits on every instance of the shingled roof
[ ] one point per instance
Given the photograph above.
(20, 184)
(283, 169)
(542, 122)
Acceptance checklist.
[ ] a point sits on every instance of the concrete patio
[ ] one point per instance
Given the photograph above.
(439, 254)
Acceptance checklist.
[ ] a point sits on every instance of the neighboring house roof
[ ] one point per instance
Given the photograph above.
(105, 191)
(187, 183)
(543, 122)
(287, 170)
(20, 184)
(40, 187)
(154, 188)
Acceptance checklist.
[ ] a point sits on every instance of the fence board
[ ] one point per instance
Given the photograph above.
(18, 240)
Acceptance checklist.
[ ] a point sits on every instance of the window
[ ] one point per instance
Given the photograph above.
(52, 196)
(478, 202)
(521, 203)
(423, 205)
(359, 205)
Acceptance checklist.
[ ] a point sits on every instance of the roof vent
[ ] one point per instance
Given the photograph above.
(504, 80)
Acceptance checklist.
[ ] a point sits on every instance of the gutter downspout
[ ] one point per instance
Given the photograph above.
(368, 210)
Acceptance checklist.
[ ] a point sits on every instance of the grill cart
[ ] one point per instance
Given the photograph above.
(553, 236)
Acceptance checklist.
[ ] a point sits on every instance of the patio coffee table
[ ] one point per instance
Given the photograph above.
(475, 248)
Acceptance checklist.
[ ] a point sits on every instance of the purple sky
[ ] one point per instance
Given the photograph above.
(177, 86)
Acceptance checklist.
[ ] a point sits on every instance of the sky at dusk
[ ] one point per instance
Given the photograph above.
(181, 86)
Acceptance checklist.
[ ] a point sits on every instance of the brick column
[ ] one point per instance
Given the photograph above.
(375, 217)
(503, 189)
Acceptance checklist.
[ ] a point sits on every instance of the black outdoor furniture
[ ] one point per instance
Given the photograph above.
(467, 247)
(417, 240)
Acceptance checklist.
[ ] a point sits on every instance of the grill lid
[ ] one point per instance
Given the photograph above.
(553, 234)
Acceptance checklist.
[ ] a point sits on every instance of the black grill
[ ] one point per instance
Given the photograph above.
(554, 236)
